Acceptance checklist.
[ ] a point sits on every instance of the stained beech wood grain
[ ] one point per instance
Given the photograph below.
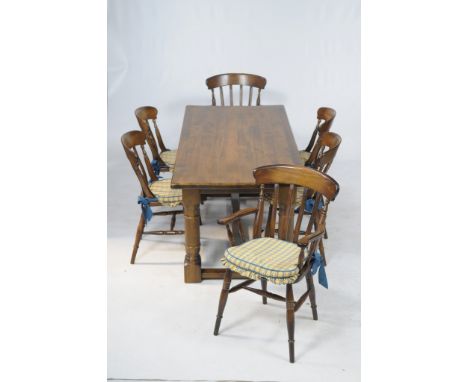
(221, 146)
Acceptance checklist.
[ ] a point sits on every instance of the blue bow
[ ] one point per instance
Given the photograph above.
(156, 167)
(317, 264)
(145, 207)
(312, 166)
(310, 205)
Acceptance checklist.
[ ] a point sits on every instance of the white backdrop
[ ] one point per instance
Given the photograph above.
(161, 52)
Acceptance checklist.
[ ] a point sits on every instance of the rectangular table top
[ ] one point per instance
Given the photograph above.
(220, 146)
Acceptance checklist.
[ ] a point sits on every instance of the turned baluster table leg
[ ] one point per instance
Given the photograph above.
(235, 203)
(192, 264)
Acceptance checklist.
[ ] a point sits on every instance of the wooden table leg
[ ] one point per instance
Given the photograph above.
(235, 203)
(192, 264)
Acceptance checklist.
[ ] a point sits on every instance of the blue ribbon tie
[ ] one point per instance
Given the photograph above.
(310, 205)
(156, 167)
(317, 264)
(145, 207)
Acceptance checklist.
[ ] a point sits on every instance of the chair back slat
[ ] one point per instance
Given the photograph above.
(325, 161)
(272, 215)
(235, 79)
(313, 246)
(151, 174)
(259, 215)
(221, 94)
(162, 146)
(324, 152)
(300, 215)
(139, 164)
(286, 212)
(130, 142)
(313, 139)
(213, 99)
(325, 118)
(144, 115)
(313, 214)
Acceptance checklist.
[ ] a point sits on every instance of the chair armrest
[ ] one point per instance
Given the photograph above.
(304, 241)
(237, 215)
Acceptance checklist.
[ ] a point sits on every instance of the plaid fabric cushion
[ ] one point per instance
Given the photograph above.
(169, 157)
(304, 155)
(273, 259)
(166, 195)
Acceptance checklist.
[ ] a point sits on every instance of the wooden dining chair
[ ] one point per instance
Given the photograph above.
(325, 118)
(155, 192)
(165, 158)
(321, 159)
(324, 152)
(236, 79)
(290, 256)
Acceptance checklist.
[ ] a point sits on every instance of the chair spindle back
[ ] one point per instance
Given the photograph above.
(324, 152)
(284, 180)
(133, 143)
(325, 118)
(144, 115)
(233, 79)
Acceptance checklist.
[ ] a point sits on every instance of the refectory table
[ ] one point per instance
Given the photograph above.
(219, 148)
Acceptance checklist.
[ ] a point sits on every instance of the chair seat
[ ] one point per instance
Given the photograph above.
(169, 157)
(304, 155)
(166, 195)
(273, 259)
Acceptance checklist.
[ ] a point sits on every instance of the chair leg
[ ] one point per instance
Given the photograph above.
(173, 221)
(139, 233)
(322, 252)
(264, 288)
(223, 299)
(320, 246)
(311, 287)
(236, 225)
(290, 320)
